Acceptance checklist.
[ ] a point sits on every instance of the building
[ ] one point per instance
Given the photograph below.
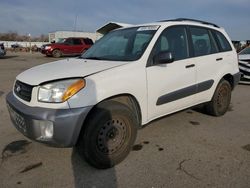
(58, 35)
(111, 26)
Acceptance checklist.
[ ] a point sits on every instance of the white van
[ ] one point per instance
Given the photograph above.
(130, 77)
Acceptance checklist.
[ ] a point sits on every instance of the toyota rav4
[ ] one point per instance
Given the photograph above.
(130, 77)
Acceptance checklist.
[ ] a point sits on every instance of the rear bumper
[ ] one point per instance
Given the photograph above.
(67, 123)
(236, 79)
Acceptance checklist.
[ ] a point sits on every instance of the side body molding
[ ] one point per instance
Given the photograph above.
(185, 92)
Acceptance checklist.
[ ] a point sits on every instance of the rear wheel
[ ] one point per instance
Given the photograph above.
(56, 53)
(109, 134)
(220, 102)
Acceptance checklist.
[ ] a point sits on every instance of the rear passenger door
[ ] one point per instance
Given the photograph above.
(210, 62)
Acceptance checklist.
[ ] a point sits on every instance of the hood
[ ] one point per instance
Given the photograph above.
(55, 44)
(244, 57)
(67, 68)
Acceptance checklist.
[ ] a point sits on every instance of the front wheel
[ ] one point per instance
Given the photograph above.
(220, 102)
(56, 53)
(109, 134)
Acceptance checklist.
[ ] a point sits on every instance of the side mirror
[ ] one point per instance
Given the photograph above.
(163, 58)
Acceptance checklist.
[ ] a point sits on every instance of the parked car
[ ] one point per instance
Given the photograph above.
(244, 65)
(2, 50)
(130, 77)
(69, 46)
(16, 45)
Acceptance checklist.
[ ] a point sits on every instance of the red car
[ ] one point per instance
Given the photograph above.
(67, 47)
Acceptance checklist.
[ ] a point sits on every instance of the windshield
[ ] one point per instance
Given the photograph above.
(61, 40)
(245, 51)
(122, 45)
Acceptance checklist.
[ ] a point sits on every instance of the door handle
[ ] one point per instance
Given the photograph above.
(219, 59)
(190, 66)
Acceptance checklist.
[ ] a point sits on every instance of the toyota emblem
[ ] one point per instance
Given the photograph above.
(18, 88)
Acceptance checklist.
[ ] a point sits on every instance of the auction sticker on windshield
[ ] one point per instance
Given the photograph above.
(148, 28)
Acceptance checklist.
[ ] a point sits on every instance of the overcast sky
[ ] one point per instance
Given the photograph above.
(42, 16)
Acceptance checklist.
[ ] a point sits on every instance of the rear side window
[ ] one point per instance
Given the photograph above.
(77, 42)
(88, 41)
(203, 42)
(223, 42)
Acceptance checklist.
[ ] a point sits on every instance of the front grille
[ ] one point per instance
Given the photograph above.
(245, 79)
(17, 119)
(244, 66)
(23, 90)
(245, 72)
(247, 61)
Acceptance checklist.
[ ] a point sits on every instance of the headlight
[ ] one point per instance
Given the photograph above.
(60, 91)
(47, 47)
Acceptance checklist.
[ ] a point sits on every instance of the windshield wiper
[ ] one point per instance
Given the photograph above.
(95, 58)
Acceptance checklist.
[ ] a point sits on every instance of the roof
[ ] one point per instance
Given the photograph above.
(115, 25)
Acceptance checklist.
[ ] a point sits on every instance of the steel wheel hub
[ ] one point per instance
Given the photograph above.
(222, 97)
(111, 136)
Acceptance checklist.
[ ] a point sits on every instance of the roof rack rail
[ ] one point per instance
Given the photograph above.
(192, 20)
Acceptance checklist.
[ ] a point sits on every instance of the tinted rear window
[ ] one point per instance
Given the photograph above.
(88, 41)
(77, 42)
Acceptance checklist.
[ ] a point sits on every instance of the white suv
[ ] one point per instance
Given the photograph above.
(130, 77)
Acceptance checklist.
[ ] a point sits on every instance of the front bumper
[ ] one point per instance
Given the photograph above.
(67, 123)
(2, 53)
(46, 52)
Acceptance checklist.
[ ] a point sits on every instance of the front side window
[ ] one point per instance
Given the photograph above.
(69, 41)
(203, 42)
(122, 45)
(88, 41)
(174, 40)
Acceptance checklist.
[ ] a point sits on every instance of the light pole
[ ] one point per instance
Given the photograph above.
(30, 42)
(75, 24)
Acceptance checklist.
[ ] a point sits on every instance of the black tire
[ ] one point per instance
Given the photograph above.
(56, 53)
(220, 102)
(109, 134)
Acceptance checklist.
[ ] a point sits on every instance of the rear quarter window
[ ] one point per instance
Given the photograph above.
(88, 41)
(77, 42)
(223, 42)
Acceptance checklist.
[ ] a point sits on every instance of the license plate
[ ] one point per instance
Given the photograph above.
(17, 119)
